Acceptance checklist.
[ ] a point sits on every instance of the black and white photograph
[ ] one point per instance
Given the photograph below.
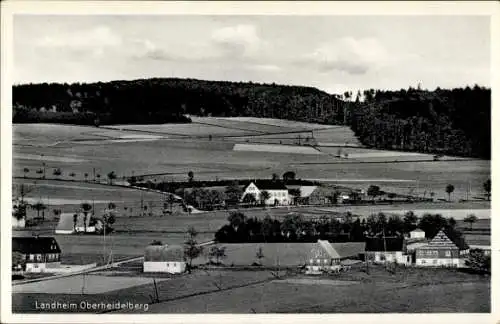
(248, 163)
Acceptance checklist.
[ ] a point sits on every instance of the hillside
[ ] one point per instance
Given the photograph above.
(453, 122)
(165, 100)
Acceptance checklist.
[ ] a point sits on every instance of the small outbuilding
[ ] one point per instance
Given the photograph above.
(164, 258)
(386, 250)
(417, 234)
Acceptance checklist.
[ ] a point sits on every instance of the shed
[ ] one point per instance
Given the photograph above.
(164, 258)
(417, 234)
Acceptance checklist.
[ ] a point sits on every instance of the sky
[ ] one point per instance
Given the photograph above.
(332, 53)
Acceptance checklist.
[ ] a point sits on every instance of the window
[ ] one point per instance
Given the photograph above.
(423, 261)
(32, 257)
(447, 253)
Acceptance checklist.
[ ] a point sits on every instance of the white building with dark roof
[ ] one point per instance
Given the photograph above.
(164, 258)
(278, 192)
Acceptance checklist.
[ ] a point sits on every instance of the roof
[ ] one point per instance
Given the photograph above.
(66, 221)
(328, 248)
(306, 191)
(392, 244)
(417, 230)
(446, 240)
(35, 245)
(165, 253)
(269, 185)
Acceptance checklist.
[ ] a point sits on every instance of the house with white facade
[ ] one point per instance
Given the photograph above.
(444, 250)
(386, 250)
(35, 254)
(278, 192)
(164, 258)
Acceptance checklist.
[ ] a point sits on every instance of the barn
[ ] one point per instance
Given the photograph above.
(164, 258)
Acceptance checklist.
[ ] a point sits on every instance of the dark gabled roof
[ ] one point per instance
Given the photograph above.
(392, 244)
(164, 253)
(35, 245)
(270, 185)
(457, 239)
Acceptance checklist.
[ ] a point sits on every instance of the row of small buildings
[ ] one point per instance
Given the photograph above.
(279, 193)
(443, 250)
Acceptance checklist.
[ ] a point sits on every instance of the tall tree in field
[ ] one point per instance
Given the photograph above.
(373, 191)
(289, 175)
(275, 177)
(111, 177)
(72, 175)
(57, 172)
(219, 253)
(190, 176)
(478, 261)
(295, 192)
(86, 175)
(449, 189)
(39, 207)
(233, 192)
(487, 188)
(75, 221)
(25, 171)
(191, 247)
(264, 195)
(471, 219)
(259, 255)
(86, 207)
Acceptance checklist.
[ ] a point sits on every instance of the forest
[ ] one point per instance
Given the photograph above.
(164, 100)
(442, 121)
(345, 228)
(454, 122)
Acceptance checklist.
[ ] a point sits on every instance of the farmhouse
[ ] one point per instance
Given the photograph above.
(164, 258)
(386, 250)
(36, 254)
(278, 192)
(322, 257)
(443, 250)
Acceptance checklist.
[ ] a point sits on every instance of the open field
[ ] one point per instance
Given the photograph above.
(170, 157)
(219, 291)
(208, 159)
(412, 290)
(94, 284)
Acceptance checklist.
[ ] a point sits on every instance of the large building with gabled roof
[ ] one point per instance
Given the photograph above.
(323, 257)
(444, 250)
(278, 192)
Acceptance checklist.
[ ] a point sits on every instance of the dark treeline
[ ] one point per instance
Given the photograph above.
(160, 100)
(455, 122)
(344, 228)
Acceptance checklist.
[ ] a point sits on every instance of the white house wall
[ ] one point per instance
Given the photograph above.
(397, 257)
(163, 266)
(426, 262)
(35, 267)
